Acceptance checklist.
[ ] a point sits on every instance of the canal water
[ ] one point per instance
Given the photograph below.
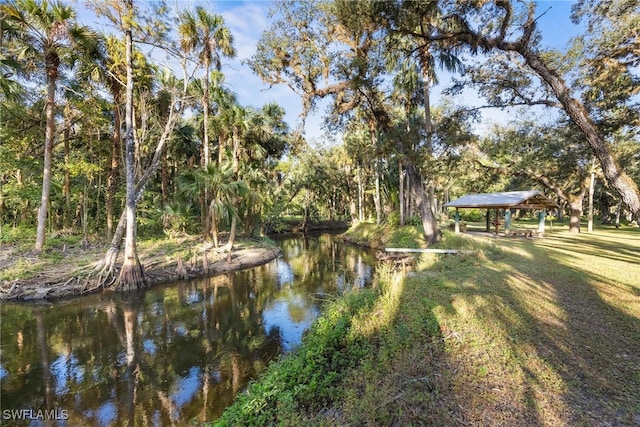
(169, 355)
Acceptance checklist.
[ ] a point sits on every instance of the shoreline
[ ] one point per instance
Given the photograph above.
(63, 275)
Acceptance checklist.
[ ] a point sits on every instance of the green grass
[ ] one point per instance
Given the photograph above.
(523, 332)
(385, 235)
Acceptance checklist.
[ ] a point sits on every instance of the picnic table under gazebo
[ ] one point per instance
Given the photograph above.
(507, 200)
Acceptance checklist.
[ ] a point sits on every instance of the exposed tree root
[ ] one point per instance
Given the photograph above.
(132, 276)
(55, 282)
(106, 271)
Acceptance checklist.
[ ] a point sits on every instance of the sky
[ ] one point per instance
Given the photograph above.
(247, 20)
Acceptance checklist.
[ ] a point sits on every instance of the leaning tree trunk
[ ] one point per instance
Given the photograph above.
(619, 180)
(574, 108)
(107, 268)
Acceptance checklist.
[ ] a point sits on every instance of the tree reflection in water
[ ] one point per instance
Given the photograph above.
(171, 354)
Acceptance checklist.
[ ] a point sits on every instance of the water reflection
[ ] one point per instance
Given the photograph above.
(170, 355)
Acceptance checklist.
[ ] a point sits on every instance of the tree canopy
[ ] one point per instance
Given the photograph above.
(91, 125)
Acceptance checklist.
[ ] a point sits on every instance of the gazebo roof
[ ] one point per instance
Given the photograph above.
(531, 199)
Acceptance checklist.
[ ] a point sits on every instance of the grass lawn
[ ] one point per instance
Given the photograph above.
(524, 332)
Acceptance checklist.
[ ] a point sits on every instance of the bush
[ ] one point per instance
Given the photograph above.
(393, 219)
(473, 215)
(19, 234)
(413, 220)
(308, 379)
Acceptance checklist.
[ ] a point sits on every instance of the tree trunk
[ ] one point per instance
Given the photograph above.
(214, 225)
(116, 242)
(107, 268)
(205, 114)
(232, 237)
(578, 113)
(376, 171)
(52, 74)
(425, 68)
(164, 178)
(619, 180)
(360, 197)
(575, 205)
(376, 197)
(422, 201)
(234, 214)
(66, 189)
(220, 149)
(409, 201)
(560, 211)
(132, 273)
(401, 193)
(590, 214)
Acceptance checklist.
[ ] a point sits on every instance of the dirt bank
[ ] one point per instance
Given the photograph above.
(71, 271)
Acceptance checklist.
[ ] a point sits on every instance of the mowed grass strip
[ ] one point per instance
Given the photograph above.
(527, 332)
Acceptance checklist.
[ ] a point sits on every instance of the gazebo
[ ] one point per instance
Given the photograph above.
(507, 200)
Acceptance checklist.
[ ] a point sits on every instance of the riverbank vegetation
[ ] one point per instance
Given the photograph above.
(521, 332)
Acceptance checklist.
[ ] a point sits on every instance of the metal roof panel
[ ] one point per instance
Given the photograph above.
(531, 199)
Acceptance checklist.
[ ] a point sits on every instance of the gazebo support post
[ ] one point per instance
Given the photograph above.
(541, 218)
(507, 221)
(457, 218)
(488, 220)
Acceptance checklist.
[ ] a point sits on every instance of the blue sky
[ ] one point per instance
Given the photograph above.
(248, 19)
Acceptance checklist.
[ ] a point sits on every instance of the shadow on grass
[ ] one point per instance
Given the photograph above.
(541, 341)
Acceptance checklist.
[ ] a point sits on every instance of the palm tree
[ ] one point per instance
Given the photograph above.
(240, 121)
(221, 186)
(428, 60)
(47, 34)
(207, 34)
(405, 88)
(223, 100)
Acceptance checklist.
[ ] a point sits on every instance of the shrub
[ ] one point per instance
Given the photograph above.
(413, 220)
(472, 215)
(309, 378)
